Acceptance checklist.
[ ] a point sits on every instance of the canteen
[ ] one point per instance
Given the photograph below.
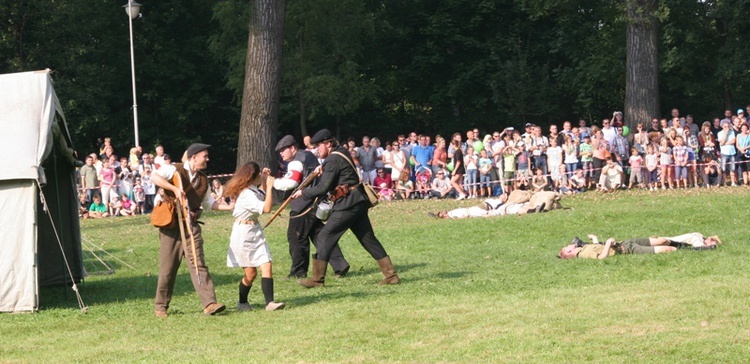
(324, 210)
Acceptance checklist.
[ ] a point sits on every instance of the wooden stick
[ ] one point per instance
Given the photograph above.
(302, 185)
(186, 212)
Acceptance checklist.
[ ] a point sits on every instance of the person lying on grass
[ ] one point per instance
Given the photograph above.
(653, 245)
(517, 203)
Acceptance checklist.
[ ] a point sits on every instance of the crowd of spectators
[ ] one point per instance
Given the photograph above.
(111, 186)
(666, 153)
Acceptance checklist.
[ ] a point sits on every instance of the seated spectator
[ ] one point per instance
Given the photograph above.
(97, 210)
(441, 186)
(539, 182)
(404, 185)
(383, 185)
(128, 206)
(83, 207)
(217, 192)
(611, 176)
(576, 183)
(423, 183)
(115, 205)
(711, 173)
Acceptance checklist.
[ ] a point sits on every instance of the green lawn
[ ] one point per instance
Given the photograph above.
(473, 290)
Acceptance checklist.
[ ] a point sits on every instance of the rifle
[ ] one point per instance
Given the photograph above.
(302, 185)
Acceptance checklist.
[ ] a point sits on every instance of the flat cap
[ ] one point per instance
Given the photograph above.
(285, 142)
(196, 148)
(321, 136)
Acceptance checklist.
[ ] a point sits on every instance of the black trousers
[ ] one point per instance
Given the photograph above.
(302, 230)
(356, 219)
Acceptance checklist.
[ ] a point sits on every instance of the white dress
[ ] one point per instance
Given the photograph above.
(247, 244)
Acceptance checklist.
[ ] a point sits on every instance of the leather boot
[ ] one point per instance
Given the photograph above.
(388, 271)
(318, 275)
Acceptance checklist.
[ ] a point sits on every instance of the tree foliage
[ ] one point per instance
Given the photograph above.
(377, 67)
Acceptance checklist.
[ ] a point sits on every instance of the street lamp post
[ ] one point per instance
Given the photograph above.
(133, 9)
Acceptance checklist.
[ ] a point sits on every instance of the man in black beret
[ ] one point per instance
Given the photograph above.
(303, 225)
(187, 181)
(341, 181)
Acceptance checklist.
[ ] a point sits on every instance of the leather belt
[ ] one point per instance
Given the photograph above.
(247, 222)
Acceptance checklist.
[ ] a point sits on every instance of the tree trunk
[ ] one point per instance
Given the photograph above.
(260, 99)
(642, 68)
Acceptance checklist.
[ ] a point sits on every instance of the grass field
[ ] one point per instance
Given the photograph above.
(473, 290)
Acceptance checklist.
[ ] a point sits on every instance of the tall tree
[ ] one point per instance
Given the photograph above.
(641, 64)
(260, 100)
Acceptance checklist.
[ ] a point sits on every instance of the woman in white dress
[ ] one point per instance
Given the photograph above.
(248, 247)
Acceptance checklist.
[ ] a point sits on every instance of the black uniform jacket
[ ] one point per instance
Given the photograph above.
(338, 171)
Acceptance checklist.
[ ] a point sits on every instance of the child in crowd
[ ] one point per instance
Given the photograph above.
(554, 161)
(586, 151)
(128, 206)
(510, 152)
(115, 206)
(470, 180)
(636, 162)
(539, 182)
(571, 155)
(83, 207)
(485, 166)
(680, 155)
(98, 210)
(652, 162)
(665, 161)
(383, 184)
(140, 197)
(522, 162)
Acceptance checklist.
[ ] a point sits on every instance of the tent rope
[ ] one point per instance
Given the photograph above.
(43, 200)
(88, 241)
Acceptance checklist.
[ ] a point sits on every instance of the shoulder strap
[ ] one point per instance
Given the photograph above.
(350, 163)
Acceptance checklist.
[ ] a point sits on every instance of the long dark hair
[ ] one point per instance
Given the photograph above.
(242, 179)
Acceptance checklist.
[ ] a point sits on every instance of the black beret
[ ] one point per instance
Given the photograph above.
(321, 136)
(285, 142)
(196, 148)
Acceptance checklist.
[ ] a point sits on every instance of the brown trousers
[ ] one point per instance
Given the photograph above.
(170, 256)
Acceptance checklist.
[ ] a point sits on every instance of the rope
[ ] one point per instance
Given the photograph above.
(108, 253)
(42, 199)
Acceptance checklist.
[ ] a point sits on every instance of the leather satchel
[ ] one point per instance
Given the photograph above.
(370, 192)
(163, 215)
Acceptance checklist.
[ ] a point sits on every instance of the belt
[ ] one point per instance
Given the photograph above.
(247, 222)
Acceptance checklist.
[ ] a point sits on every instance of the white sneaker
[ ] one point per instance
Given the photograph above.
(244, 307)
(460, 197)
(734, 184)
(273, 306)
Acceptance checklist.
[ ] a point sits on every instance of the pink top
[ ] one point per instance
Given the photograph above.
(636, 162)
(108, 176)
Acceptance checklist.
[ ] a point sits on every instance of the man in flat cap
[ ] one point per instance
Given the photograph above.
(303, 225)
(186, 180)
(341, 182)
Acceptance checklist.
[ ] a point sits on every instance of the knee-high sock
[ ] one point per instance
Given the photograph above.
(244, 292)
(266, 285)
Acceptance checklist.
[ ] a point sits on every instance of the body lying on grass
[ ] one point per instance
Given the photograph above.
(517, 203)
(652, 245)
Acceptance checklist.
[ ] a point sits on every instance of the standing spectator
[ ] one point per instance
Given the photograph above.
(727, 141)
(398, 161)
(680, 154)
(608, 132)
(570, 149)
(107, 181)
(621, 148)
(524, 170)
(367, 155)
(485, 177)
(538, 149)
(554, 161)
(617, 121)
(125, 176)
(583, 130)
(440, 155)
(159, 157)
(509, 167)
(743, 153)
(375, 142)
(149, 189)
(652, 162)
(640, 139)
(472, 173)
(600, 154)
(665, 162)
(421, 155)
(586, 151)
(89, 179)
(459, 169)
(655, 126)
(553, 134)
(387, 159)
(140, 197)
(706, 142)
(635, 162)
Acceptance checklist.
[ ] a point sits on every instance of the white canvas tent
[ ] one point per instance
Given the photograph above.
(40, 247)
